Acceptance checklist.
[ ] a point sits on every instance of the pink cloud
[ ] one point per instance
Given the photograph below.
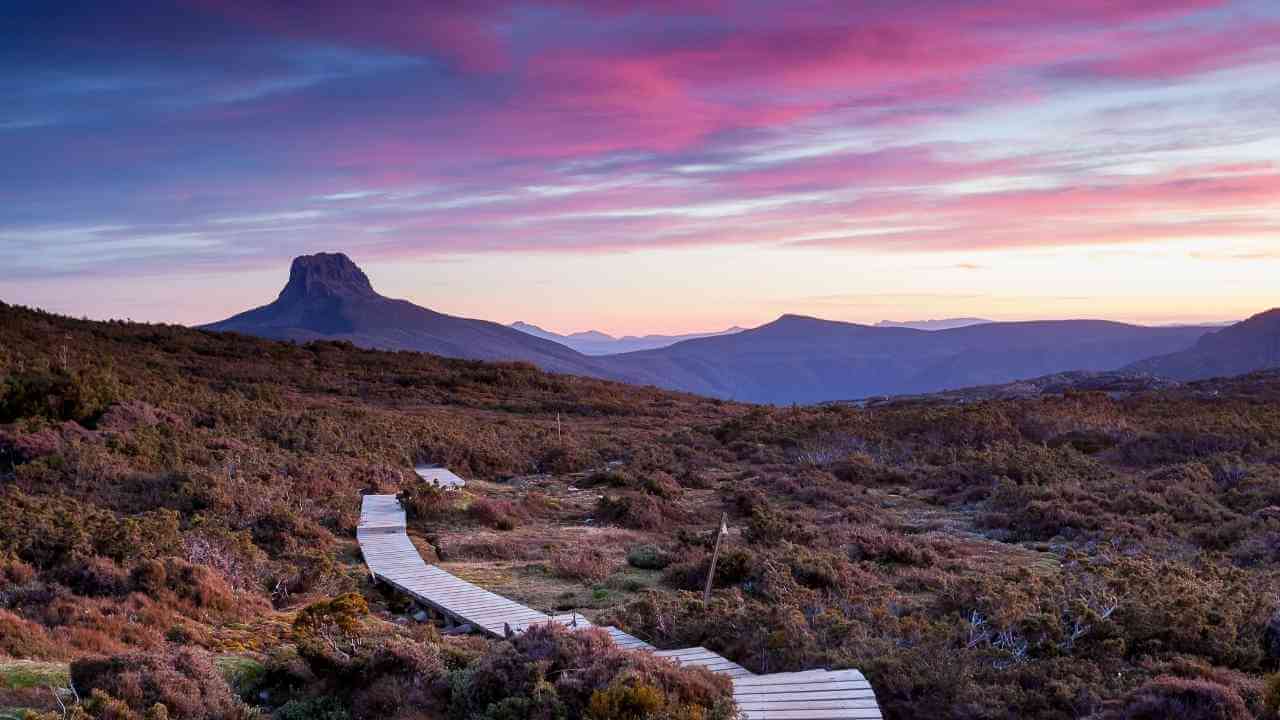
(1178, 53)
(903, 166)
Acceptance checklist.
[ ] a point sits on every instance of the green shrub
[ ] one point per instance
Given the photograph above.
(648, 557)
(317, 708)
(59, 395)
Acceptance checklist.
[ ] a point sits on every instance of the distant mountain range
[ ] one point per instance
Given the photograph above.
(594, 342)
(794, 359)
(798, 359)
(943, 324)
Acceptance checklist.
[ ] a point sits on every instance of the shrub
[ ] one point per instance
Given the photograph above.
(1271, 637)
(641, 512)
(203, 586)
(185, 682)
(661, 484)
(397, 674)
(1170, 697)
(427, 501)
(21, 638)
(95, 577)
(588, 565)
(317, 708)
(58, 395)
(550, 671)
(648, 557)
(1271, 694)
(875, 545)
(498, 514)
(333, 621)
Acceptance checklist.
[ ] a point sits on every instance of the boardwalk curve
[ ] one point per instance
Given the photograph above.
(392, 559)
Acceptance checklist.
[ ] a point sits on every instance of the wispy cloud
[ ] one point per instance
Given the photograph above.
(406, 129)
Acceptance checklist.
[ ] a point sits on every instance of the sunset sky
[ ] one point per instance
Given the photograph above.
(648, 167)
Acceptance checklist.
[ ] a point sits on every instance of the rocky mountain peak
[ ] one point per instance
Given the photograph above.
(326, 275)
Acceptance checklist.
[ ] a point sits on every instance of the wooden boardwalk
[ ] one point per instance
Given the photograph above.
(392, 558)
(443, 477)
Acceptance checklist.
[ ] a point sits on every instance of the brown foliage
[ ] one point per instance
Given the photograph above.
(184, 681)
(1170, 697)
(585, 564)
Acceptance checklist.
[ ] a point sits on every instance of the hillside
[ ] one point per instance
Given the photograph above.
(1247, 346)
(328, 297)
(184, 500)
(804, 360)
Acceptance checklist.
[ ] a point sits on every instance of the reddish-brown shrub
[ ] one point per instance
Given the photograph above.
(398, 674)
(96, 577)
(585, 564)
(21, 638)
(641, 512)
(426, 501)
(185, 682)
(1171, 697)
(200, 584)
(498, 514)
(569, 668)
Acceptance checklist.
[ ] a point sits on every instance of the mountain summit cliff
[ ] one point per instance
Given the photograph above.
(326, 275)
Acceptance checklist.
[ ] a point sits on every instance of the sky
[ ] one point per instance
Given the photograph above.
(635, 167)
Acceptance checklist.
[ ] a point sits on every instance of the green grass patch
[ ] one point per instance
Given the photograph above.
(243, 674)
(22, 674)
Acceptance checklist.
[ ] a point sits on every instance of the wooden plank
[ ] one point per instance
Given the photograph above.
(810, 704)
(785, 678)
(808, 695)
(802, 687)
(846, 714)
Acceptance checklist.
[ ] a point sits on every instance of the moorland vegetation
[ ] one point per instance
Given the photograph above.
(177, 511)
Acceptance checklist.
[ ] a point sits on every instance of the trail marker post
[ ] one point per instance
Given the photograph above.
(715, 555)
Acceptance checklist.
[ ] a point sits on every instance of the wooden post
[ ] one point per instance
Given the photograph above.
(715, 555)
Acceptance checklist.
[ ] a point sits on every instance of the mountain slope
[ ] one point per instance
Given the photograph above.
(329, 297)
(1249, 345)
(594, 342)
(799, 359)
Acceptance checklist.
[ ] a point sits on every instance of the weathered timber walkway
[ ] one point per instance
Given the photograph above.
(392, 558)
(439, 476)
